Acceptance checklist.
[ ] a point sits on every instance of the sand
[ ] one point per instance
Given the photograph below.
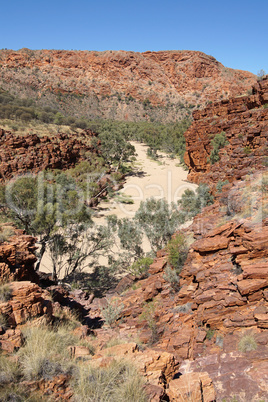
(163, 178)
(159, 179)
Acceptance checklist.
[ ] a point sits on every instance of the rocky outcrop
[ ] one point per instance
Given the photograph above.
(245, 123)
(26, 302)
(220, 298)
(120, 84)
(17, 258)
(20, 155)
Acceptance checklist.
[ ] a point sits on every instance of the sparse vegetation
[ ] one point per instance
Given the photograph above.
(120, 381)
(149, 315)
(141, 266)
(52, 358)
(5, 292)
(220, 185)
(247, 343)
(210, 333)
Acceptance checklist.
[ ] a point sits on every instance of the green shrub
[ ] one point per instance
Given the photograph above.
(220, 185)
(247, 343)
(210, 333)
(111, 313)
(192, 203)
(247, 150)
(141, 266)
(148, 314)
(171, 276)
(5, 233)
(177, 252)
(218, 142)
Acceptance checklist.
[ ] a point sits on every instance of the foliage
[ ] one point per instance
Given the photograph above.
(111, 313)
(170, 275)
(158, 221)
(9, 370)
(52, 207)
(177, 252)
(3, 321)
(247, 343)
(192, 203)
(115, 149)
(149, 315)
(141, 266)
(6, 232)
(220, 185)
(218, 142)
(247, 150)
(210, 333)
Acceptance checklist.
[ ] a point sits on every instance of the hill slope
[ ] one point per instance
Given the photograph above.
(120, 85)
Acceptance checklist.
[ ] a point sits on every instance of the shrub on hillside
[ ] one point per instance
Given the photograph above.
(218, 142)
(192, 203)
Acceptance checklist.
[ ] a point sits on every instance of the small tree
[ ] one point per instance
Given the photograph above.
(115, 149)
(158, 220)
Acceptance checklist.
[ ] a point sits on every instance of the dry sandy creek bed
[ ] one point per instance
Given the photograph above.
(150, 178)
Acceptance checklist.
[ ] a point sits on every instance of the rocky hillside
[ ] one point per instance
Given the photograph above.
(31, 153)
(120, 85)
(244, 122)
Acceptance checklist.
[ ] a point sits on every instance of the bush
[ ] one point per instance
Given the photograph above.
(192, 203)
(148, 314)
(3, 321)
(220, 185)
(45, 353)
(247, 343)
(247, 150)
(218, 142)
(141, 266)
(111, 313)
(177, 252)
(5, 233)
(171, 276)
(9, 370)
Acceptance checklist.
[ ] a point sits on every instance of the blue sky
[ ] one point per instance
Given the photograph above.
(234, 32)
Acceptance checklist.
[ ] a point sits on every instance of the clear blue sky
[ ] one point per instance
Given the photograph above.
(234, 32)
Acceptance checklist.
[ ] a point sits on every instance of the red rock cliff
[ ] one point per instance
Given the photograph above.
(245, 122)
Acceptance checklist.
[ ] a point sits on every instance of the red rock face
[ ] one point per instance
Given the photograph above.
(19, 155)
(17, 258)
(245, 122)
(161, 77)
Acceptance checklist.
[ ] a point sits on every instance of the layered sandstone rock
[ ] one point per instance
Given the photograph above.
(20, 155)
(17, 258)
(26, 302)
(245, 123)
